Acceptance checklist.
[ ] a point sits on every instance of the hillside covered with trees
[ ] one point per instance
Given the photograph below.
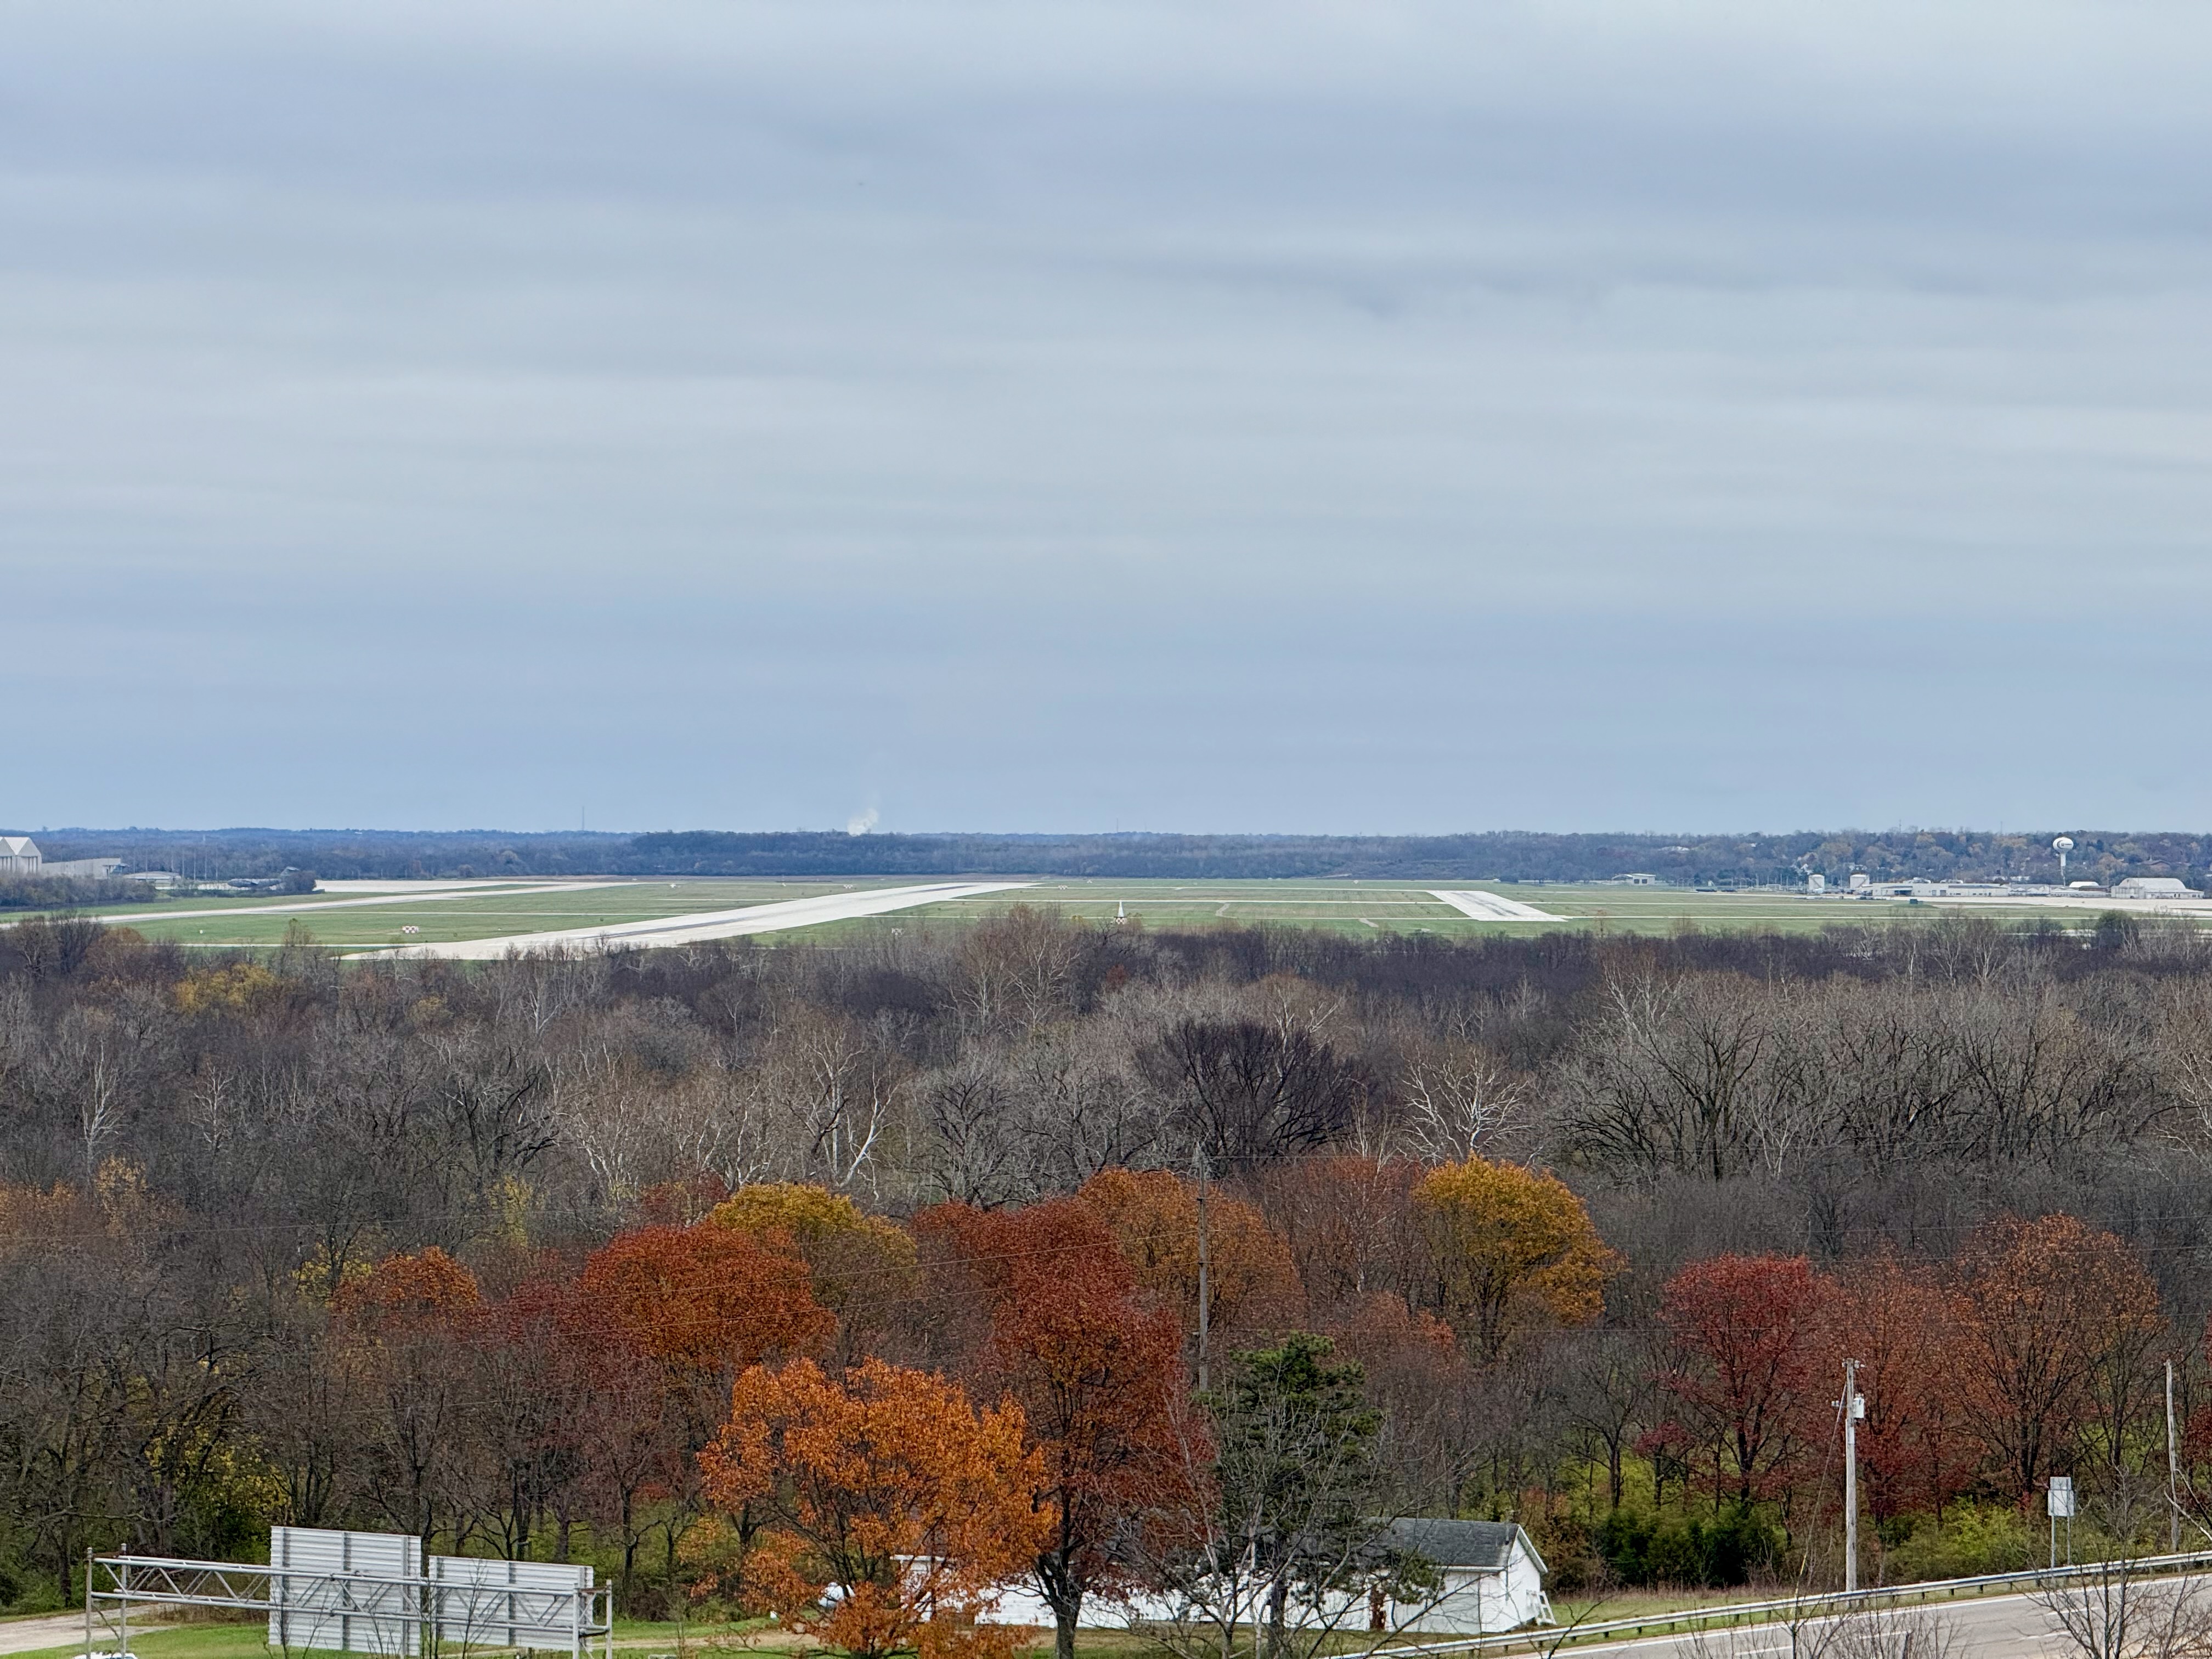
(590, 1257)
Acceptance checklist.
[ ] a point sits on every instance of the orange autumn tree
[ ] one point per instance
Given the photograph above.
(894, 1511)
(1098, 1376)
(2055, 1306)
(403, 1294)
(703, 1299)
(1252, 1287)
(1510, 1247)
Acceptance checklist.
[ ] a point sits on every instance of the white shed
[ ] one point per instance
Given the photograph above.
(20, 856)
(1493, 1579)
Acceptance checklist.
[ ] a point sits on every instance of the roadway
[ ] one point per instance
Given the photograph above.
(1980, 1627)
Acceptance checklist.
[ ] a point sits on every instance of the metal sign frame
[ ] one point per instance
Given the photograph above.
(422, 1613)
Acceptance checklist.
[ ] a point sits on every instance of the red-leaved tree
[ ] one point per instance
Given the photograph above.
(1902, 1324)
(1098, 1374)
(1744, 1366)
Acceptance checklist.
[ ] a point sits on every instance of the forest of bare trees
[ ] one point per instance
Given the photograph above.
(212, 1167)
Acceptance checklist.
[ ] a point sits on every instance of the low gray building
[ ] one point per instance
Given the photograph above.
(2152, 887)
(82, 869)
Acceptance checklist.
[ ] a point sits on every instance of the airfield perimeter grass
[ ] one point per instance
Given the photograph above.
(1367, 909)
(1358, 909)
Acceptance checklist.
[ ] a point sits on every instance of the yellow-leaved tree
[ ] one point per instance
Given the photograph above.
(1509, 1249)
(862, 1266)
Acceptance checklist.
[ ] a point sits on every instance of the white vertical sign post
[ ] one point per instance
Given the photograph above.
(2059, 1500)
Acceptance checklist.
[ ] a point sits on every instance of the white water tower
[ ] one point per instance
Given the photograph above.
(2062, 845)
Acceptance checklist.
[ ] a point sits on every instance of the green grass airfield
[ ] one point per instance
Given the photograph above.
(491, 910)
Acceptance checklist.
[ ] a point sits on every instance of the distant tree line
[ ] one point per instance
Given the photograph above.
(62, 893)
(1502, 855)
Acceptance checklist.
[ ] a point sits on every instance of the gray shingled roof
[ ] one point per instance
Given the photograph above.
(1461, 1543)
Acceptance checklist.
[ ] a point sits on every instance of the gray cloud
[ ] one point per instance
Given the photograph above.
(1211, 416)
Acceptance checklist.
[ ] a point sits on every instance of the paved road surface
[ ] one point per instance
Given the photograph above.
(29, 1634)
(1990, 1627)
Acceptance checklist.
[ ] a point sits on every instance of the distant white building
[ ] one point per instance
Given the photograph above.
(1641, 878)
(1492, 1580)
(1816, 883)
(2152, 887)
(20, 856)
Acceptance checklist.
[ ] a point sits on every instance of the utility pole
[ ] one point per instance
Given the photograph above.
(1204, 1268)
(2173, 1472)
(1853, 1405)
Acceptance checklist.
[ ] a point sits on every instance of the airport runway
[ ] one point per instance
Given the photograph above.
(712, 925)
(1491, 907)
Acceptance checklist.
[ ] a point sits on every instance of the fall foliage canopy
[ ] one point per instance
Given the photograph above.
(703, 1299)
(858, 1263)
(1509, 1247)
(2050, 1302)
(1097, 1373)
(1153, 1216)
(409, 1292)
(889, 1497)
(1742, 1328)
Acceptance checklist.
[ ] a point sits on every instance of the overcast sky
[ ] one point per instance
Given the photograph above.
(1053, 415)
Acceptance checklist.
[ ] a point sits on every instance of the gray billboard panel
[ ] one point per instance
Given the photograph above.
(336, 1591)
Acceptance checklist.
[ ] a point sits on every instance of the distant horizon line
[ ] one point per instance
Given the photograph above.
(879, 834)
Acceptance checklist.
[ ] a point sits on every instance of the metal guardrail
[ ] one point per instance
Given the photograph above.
(1815, 1605)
